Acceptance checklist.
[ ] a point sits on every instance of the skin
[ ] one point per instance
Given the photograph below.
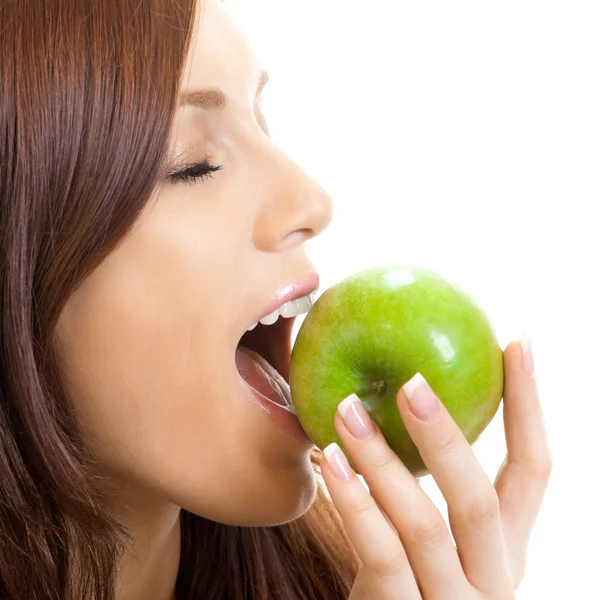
(147, 345)
(406, 550)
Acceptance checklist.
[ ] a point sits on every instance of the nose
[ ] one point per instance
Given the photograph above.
(292, 207)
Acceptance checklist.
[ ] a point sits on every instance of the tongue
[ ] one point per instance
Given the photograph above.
(263, 377)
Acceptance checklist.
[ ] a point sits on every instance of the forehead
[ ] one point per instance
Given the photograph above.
(220, 54)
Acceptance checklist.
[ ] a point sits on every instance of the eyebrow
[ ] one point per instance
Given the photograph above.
(214, 98)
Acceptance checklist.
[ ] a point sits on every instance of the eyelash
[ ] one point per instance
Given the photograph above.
(192, 172)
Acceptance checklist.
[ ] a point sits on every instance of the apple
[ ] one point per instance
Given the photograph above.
(370, 333)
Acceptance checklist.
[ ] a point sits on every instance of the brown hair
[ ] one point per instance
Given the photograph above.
(87, 96)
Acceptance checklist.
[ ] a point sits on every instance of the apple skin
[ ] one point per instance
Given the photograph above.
(385, 325)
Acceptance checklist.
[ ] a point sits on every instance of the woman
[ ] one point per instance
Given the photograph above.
(147, 221)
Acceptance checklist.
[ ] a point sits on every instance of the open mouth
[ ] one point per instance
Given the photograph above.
(263, 359)
(273, 343)
(263, 354)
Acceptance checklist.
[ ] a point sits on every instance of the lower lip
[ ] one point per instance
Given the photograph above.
(282, 417)
(286, 420)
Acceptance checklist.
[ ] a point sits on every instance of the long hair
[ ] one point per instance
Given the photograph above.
(88, 92)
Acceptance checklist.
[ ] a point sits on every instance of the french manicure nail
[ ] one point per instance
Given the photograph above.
(421, 399)
(337, 461)
(527, 357)
(356, 417)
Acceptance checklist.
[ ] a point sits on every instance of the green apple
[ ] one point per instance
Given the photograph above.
(369, 335)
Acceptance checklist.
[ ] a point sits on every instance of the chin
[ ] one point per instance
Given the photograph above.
(289, 506)
(267, 495)
(276, 503)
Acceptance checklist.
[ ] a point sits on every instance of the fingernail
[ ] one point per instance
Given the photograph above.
(337, 461)
(356, 417)
(527, 358)
(421, 400)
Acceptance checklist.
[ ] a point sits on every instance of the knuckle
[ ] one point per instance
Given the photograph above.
(445, 445)
(541, 468)
(482, 512)
(386, 565)
(431, 532)
(382, 459)
(363, 504)
(536, 467)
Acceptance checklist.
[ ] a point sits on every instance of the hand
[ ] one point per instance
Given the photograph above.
(405, 549)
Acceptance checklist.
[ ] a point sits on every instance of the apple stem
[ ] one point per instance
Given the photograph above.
(379, 386)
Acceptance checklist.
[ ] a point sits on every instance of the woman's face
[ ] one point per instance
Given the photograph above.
(148, 343)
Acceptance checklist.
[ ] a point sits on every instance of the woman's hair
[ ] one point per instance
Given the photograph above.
(88, 92)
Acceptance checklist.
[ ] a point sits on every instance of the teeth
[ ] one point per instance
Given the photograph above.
(304, 304)
(270, 318)
(290, 309)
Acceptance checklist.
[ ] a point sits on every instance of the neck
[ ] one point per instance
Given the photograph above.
(148, 571)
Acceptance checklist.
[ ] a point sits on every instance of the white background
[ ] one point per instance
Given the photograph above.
(464, 137)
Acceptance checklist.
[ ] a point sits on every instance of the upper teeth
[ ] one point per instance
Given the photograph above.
(290, 309)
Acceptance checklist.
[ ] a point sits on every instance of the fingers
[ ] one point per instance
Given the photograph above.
(473, 505)
(491, 523)
(375, 542)
(422, 530)
(521, 482)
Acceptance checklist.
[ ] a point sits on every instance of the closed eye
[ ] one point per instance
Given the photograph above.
(194, 171)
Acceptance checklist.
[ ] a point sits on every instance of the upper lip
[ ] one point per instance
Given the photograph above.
(290, 291)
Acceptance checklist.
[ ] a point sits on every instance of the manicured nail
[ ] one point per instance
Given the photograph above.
(527, 359)
(421, 400)
(337, 461)
(356, 417)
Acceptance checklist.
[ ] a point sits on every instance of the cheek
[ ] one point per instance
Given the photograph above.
(132, 342)
(167, 428)
(148, 363)
(131, 389)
